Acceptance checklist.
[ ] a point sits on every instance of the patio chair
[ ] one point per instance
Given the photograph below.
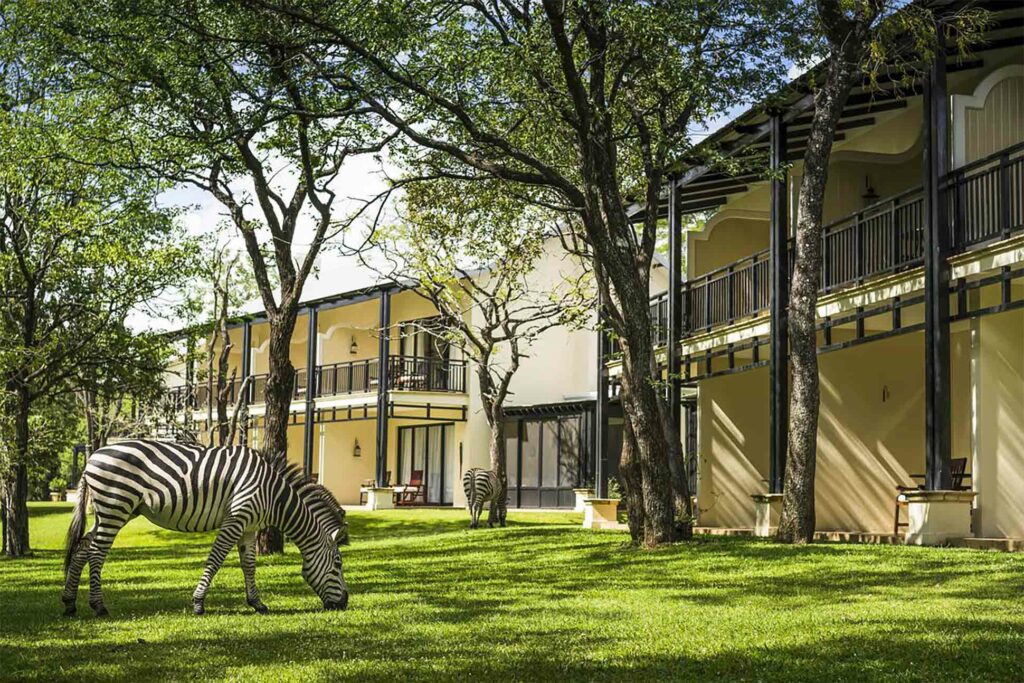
(958, 472)
(413, 490)
(368, 484)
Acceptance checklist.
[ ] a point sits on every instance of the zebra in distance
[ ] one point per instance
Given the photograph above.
(483, 486)
(190, 488)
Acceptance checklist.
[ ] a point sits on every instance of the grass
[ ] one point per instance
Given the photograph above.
(539, 600)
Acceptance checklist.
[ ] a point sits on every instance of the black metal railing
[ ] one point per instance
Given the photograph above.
(984, 201)
(362, 376)
(727, 294)
(353, 377)
(412, 373)
(884, 237)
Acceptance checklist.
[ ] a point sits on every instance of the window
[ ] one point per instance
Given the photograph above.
(530, 453)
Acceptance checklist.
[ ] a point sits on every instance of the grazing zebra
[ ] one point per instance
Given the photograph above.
(482, 486)
(192, 488)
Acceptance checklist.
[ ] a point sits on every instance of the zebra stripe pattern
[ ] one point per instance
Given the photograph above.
(483, 486)
(189, 488)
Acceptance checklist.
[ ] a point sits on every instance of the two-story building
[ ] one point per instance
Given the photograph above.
(391, 404)
(921, 309)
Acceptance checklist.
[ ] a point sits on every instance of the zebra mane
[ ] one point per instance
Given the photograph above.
(318, 499)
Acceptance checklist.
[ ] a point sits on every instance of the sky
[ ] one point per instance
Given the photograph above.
(361, 178)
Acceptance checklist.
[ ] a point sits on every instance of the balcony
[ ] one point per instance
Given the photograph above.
(984, 203)
(405, 373)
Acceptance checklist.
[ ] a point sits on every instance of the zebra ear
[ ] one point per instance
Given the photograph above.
(341, 535)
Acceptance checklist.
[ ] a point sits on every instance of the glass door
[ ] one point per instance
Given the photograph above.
(423, 460)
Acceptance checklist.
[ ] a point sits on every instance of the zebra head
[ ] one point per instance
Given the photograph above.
(321, 568)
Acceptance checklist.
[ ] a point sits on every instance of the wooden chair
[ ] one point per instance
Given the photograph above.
(958, 472)
(368, 484)
(413, 490)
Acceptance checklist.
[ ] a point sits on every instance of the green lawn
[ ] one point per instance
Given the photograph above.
(540, 600)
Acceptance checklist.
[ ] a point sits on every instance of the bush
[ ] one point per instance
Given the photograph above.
(58, 484)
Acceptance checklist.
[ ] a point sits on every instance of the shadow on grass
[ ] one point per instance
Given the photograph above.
(535, 601)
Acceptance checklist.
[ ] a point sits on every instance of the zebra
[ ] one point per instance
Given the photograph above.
(483, 486)
(192, 488)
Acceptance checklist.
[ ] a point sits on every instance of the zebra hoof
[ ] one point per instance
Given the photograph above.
(198, 609)
(259, 607)
(101, 611)
(70, 610)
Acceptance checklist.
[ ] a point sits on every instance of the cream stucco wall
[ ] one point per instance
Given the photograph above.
(870, 433)
(998, 362)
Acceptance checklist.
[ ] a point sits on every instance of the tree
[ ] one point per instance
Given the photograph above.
(585, 104)
(82, 246)
(860, 38)
(219, 290)
(231, 106)
(473, 248)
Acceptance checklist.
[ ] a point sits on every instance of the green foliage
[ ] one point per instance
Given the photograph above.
(83, 247)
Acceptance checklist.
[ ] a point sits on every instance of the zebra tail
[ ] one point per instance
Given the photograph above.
(77, 528)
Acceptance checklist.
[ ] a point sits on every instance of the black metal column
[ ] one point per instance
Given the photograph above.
(601, 411)
(675, 309)
(936, 278)
(243, 429)
(779, 342)
(311, 344)
(382, 388)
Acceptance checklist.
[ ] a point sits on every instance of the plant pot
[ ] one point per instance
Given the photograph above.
(57, 496)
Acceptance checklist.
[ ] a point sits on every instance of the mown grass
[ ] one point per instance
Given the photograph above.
(539, 600)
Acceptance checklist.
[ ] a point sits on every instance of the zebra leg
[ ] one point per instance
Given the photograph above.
(492, 513)
(74, 575)
(229, 535)
(247, 556)
(102, 538)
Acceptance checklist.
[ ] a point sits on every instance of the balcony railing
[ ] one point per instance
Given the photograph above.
(406, 373)
(722, 296)
(984, 201)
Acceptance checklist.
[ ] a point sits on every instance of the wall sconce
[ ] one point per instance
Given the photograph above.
(354, 347)
(357, 451)
(869, 196)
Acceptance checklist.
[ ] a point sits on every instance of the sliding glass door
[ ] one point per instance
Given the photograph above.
(546, 459)
(423, 458)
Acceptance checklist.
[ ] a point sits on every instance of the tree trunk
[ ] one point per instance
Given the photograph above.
(279, 391)
(15, 514)
(797, 521)
(222, 366)
(640, 405)
(632, 480)
(678, 472)
(628, 280)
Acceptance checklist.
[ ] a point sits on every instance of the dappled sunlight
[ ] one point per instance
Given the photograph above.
(735, 445)
(541, 599)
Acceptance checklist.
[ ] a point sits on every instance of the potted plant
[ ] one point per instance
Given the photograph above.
(58, 488)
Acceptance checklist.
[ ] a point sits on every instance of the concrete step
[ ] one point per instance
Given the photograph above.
(1012, 545)
(721, 531)
(859, 537)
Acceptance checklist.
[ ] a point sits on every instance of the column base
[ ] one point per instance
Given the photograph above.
(380, 498)
(581, 496)
(938, 517)
(767, 511)
(601, 513)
